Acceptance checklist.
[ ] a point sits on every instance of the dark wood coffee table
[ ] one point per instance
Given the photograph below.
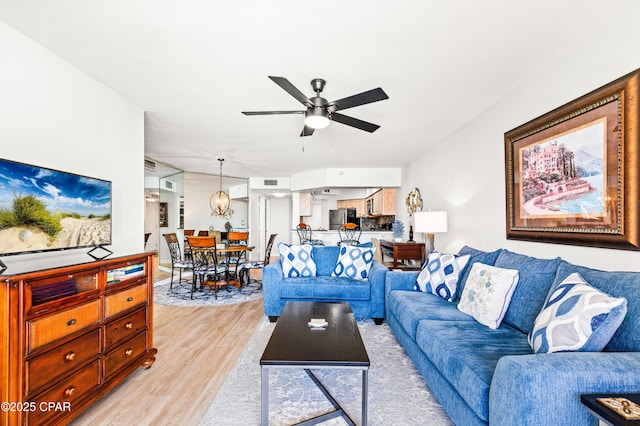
(294, 344)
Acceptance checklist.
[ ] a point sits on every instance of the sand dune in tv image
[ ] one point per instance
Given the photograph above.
(74, 233)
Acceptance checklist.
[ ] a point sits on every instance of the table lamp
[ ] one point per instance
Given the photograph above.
(430, 223)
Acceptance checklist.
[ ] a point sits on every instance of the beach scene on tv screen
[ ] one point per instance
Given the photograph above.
(44, 209)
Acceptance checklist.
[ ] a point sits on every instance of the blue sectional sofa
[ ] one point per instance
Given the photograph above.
(492, 376)
(366, 297)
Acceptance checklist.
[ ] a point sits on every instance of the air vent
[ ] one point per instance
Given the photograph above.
(271, 182)
(149, 165)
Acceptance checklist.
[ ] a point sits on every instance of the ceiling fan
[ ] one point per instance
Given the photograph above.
(319, 111)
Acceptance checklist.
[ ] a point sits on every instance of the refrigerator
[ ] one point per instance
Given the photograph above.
(341, 216)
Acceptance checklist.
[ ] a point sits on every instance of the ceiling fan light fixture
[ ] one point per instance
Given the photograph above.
(316, 118)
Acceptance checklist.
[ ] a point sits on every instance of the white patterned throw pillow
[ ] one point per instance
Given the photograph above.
(440, 274)
(297, 261)
(487, 293)
(577, 317)
(354, 262)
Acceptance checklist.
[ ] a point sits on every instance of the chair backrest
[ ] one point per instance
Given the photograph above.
(201, 242)
(203, 233)
(174, 247)
(349, 233)
(188, 232)
(377, 253)
(267, 252)
(203, 251)
(237, 238)
(217, 235)
(304, 232)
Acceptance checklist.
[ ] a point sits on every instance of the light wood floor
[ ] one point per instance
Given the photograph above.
(196, 349)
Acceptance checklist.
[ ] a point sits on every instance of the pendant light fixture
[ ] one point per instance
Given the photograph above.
(220, 202)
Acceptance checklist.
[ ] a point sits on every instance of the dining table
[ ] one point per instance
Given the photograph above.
(234, 255)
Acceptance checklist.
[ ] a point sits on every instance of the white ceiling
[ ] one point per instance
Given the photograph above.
(195, 65)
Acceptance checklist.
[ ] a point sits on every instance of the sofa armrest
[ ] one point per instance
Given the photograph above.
(271, 277)
(546, 388)
(399, 280)
(377, 275)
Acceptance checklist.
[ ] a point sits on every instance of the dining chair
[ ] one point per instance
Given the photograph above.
(203, 233)
(349, 233)
(246, 267)
(177, 262)
(235, 238)
(187, 249)
(206, 266)
(304, 233)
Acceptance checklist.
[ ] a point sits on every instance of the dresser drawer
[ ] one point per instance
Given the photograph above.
(124, 354)
(123, 300)
(125, 327)
(57, 362)
(54, 326)
(66, 393)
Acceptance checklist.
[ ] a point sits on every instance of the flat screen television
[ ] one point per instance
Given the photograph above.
(43, 209)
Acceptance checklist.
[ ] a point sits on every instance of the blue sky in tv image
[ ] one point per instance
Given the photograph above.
(44, 209)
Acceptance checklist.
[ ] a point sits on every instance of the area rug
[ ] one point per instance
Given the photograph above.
(397, 393)
(180, 294)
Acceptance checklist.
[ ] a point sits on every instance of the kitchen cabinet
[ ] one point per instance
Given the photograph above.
(358, 203)
(382, 202)
(306, 204)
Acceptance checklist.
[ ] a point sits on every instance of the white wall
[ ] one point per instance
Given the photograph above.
(54, 115)
(465, 173)
(198, 189)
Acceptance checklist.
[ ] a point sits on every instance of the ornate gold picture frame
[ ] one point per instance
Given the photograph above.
(572, 174)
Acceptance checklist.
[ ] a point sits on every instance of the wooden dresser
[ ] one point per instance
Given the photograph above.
(70, 333)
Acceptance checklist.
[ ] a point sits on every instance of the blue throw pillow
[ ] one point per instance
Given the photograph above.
(297, 261)
(354, 262)
(577, 317)
(440, 274)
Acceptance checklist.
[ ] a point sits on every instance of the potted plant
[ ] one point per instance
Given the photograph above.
(398, 230)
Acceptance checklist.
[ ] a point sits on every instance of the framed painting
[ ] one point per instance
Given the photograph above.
(572, 174)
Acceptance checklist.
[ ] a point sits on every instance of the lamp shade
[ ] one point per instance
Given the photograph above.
(430, 222)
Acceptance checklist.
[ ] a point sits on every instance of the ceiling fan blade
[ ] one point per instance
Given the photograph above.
(271, 112)
(307, 131)
(354, 122)
(373, 95)
(292, 90)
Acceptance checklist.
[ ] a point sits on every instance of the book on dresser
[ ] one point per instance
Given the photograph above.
(71, 332)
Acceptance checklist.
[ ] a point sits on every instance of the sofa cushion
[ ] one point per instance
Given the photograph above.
(297, 261)
(487, 294)
(353, 262)
(536, 277)
(577, 317)
(466, 353)
(440, 274)
(409, 307)
(475, 255)
(616, 284)
(325, 258)
(324, 289)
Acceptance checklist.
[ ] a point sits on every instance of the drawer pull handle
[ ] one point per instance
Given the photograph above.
(129, 299)
(128, 352)
(128, 325)
(71, 356)
(70, 391)
(71, 322)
